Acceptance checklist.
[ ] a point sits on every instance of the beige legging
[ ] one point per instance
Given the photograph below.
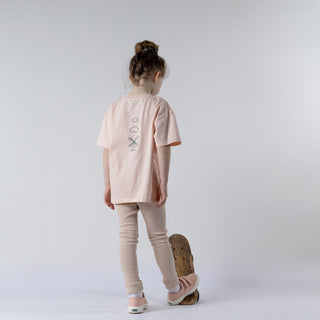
(155, 219)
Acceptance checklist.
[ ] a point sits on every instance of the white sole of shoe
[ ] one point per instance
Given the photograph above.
(137, 309)
(175, 302)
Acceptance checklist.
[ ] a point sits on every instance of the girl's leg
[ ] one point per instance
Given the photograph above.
(155, 219)
(128, 239)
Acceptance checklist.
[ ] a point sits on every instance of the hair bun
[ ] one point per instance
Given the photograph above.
(146, 46)
(146, 62)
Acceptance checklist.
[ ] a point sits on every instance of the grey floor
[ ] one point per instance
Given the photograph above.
(29, 298)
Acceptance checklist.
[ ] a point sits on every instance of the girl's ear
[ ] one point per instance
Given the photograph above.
(157, 75)
(131, 79)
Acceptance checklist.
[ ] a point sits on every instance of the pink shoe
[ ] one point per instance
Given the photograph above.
(137, 304)
(188, 284)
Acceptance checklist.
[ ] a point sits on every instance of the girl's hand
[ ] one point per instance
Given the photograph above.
(162, 195)
(107, 198)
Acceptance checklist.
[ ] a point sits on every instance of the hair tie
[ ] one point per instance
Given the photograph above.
(150, 49)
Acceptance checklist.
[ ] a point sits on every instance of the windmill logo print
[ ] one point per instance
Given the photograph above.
(133, 140)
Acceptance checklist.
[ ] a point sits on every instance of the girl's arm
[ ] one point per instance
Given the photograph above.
(164, 155)
(106, 172)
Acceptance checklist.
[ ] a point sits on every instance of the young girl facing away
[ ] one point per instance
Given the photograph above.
(137, 133)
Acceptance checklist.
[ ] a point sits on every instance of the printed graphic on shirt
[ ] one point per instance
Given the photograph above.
(135, 119)
(133, 129)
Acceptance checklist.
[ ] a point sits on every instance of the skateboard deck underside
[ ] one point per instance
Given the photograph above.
(183, 260)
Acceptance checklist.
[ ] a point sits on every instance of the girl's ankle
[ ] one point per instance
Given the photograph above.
(176, 289)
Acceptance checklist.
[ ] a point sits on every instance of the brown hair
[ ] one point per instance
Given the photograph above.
(146, 61)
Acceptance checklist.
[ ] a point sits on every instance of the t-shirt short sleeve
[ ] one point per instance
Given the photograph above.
(104, 134)
(166, 127)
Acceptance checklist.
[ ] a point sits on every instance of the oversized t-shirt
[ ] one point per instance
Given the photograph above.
(132, 129)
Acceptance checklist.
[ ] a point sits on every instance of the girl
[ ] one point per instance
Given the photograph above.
(137, 133)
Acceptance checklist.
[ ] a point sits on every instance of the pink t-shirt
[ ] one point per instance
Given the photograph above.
(132, 129)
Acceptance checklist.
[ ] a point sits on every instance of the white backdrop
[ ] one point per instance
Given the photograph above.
(243, 185)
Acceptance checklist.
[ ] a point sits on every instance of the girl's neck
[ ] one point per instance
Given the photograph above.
(136, 92)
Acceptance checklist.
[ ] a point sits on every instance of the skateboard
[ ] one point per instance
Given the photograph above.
(183, 260)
